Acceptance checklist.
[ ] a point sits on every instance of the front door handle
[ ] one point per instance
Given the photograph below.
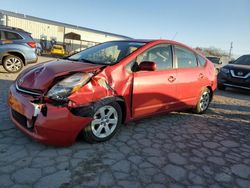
(171, 79)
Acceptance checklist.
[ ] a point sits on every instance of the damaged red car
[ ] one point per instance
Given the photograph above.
(96, 90)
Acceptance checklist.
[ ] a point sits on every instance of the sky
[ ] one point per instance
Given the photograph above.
(197, 23)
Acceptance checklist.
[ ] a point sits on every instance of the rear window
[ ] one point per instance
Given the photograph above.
(215, 60)
(201, 60)
(12, 36)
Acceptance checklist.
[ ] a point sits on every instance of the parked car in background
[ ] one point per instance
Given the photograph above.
(17, 48)
(39, 49)
(216, 61)
(57, 50)
(96, 90)
(236, 74)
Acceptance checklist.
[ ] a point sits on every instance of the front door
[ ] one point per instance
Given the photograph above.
(154, 91)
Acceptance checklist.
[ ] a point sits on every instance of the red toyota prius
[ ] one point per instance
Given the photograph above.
(96, 90)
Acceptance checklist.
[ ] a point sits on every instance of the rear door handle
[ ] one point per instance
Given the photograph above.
(201, 75)
(171, 79)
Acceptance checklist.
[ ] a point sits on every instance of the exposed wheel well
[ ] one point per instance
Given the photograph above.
(123, 107)
(211, 91)
(15, 54)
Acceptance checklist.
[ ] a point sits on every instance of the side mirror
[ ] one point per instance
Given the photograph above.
(230, 62)
(147, 66)
(220, 63)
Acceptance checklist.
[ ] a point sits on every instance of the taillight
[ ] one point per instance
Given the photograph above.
(32, 44)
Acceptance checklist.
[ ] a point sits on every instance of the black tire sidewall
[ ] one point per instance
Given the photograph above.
(12, 56)
(90, 137)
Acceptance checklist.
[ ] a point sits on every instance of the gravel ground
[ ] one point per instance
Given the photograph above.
(175, 150)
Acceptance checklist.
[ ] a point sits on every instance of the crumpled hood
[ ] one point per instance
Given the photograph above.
(40, 77)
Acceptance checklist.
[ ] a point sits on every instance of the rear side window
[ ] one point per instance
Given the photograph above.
(160, 54)
(12, 36)
(201, 60)
(185, 58)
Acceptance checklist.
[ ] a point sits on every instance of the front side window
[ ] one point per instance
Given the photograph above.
(185, 58)
(12, 36)
(160, 54)
(107, 53)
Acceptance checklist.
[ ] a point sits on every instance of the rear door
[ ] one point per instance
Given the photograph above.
(154, 91)
(189, 75)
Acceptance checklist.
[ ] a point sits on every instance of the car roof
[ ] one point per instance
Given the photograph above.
(153, 40)
(160, 41)
(14, 29)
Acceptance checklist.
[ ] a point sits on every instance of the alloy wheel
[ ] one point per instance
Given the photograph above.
(13, 64)
(104, 122)
(205, 99)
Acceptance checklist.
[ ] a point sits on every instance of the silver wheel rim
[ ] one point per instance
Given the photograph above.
(13, 64)
(104, 122)
(204, 101)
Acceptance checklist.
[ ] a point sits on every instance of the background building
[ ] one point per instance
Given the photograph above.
(49, 32)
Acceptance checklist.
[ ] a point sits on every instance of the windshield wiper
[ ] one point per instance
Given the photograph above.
(82, 59)
(87, 61)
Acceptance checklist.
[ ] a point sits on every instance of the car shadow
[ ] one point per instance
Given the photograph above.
(5, 123)
(234, 93)
(2, 70)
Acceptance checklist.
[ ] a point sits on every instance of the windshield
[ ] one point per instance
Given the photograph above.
(107, 53)
(243, 60)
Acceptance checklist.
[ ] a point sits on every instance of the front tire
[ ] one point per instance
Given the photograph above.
(12, 64)
(203, 102)
(106, 121)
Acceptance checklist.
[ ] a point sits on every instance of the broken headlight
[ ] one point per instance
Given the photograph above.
(69, 85)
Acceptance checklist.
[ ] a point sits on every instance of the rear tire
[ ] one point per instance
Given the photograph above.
(106, 121)
(12, 64)
(203, 102)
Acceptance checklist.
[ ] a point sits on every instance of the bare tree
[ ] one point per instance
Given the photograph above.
(211, 51)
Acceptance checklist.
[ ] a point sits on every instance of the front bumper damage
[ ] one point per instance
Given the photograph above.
(56, 123)
(45, 123)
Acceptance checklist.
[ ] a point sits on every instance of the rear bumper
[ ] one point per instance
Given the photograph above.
(34, 60)
(57, 53)
(58, 127)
